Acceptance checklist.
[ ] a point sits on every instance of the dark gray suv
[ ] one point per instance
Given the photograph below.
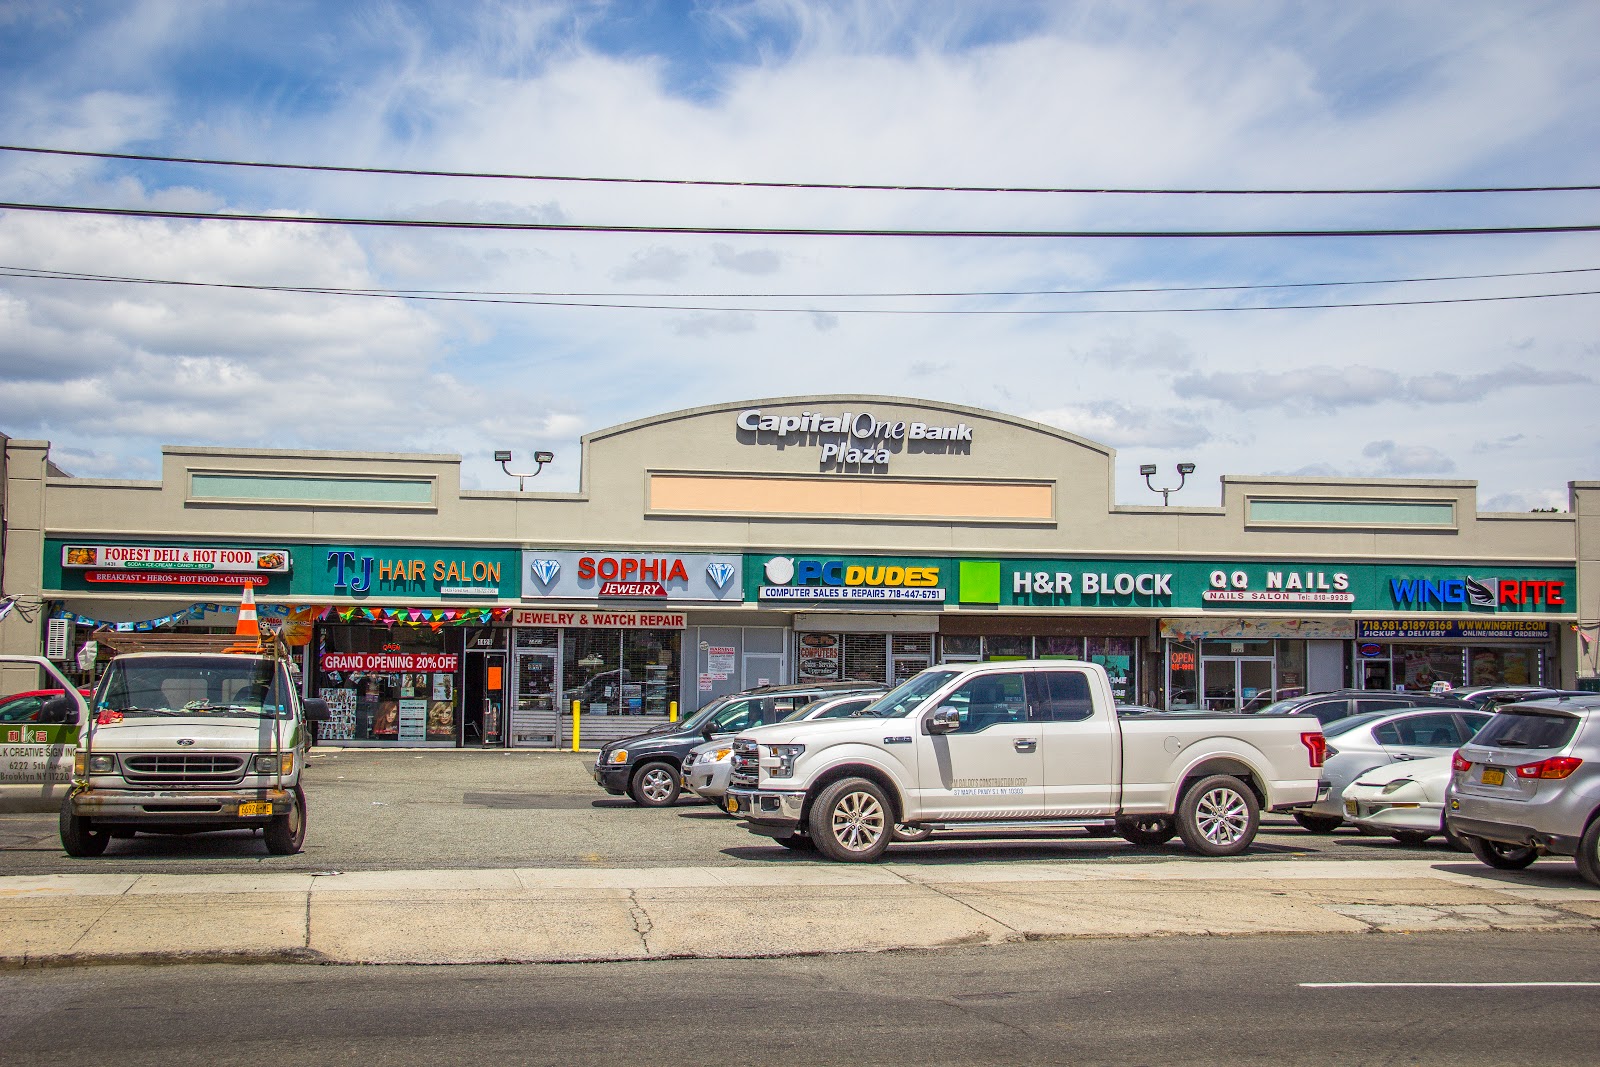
(1528, 785)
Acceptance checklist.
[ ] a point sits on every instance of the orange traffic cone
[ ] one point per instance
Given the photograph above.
(248, 626)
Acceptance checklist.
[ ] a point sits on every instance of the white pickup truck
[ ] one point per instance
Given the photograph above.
(1034, 742)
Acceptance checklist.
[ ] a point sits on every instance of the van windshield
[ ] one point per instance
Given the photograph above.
(905, 698)
(221, 686)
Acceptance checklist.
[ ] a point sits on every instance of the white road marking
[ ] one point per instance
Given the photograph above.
(1449, 985)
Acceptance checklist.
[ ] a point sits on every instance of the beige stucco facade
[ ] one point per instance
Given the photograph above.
(756, 479)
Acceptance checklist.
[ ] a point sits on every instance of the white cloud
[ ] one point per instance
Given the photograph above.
(1404, 460)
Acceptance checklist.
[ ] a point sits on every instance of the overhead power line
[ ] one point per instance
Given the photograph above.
(457, 298)
(840, 186)
(14, 271)
(786, 231)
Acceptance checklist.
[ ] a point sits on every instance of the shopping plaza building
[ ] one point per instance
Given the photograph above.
(715, 549)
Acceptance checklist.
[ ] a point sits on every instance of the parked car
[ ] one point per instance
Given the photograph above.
(1404, 800)
(1528, 785)
(649, 766)
(706, 768)
(1341, 703)
(1019, 744)
(1266, 697)
(1358, 743)
(1490, 697)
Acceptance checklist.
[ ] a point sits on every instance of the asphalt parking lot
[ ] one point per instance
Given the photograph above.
(452, 809)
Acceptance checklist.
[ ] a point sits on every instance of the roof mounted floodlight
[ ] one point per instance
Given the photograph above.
(503, 457)
(1149, 469)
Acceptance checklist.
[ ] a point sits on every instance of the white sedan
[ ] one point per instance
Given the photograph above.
(1404, 800)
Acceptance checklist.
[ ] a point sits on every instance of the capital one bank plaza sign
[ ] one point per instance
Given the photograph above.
(851, 439)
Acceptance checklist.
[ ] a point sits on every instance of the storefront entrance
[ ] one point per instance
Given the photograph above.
(1231, 682)
(483, 699)
(535, 712)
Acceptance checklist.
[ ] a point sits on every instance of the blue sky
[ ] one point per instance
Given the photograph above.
(1158, 95)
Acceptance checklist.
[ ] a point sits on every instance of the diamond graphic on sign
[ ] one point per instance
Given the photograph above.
(719, 573)
(546, 570)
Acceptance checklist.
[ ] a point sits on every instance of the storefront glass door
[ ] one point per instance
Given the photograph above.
(1228, 684)
(535, 720)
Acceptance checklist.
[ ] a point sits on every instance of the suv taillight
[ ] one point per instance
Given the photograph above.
(1460, 762)
(1317, 745)
(1554, 767)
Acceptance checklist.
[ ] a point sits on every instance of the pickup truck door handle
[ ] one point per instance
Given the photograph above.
(1025, 744)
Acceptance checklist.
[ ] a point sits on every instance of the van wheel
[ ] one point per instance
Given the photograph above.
(852, 821)
(1218, 816)
(285, 834)
(1589, 853)
(78, 838)
(1147, 831)
(655, 785)
(1502, 857)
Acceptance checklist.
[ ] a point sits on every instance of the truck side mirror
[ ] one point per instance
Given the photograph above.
(59, 709)
(316, 710)
(944, 720)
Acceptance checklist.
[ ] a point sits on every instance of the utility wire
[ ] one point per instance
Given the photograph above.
(456, 299)
(782, 231)
(841, 186)
(35, 272)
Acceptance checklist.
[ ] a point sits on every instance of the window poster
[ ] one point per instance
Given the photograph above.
(341, 724)
(413, 715)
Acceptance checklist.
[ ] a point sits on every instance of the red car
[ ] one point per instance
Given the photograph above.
(24, 707)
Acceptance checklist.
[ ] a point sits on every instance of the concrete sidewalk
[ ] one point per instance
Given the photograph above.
(554, 915)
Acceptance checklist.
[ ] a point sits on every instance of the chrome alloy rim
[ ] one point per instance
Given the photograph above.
(858, 821)
(1222, 816)
(657, 785)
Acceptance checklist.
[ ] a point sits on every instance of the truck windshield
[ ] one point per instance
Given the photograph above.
(221, 686)
(905, 698)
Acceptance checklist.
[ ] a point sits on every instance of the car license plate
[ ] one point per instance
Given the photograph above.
(733, 806)
(1494, 776)
(255, 807)
(1350, 807)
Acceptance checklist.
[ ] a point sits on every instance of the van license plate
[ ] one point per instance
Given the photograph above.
(733, 806)
(255, 807)
(1494, 776)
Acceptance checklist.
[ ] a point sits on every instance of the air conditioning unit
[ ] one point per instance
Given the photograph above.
(58, 639)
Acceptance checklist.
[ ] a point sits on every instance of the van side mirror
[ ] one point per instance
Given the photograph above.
(59, 709)
(316, 710)
(944, 720)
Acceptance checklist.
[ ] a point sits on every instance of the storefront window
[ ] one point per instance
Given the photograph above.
(1291, 670)
(1505, 666)
(1183, 662)
(402, 706)
(912, 653)
(960, 648)
(1003, 648)
(866, 657)
(1059, 647)
(1417, 667)
(591, 671)
(649, 671)
(1115, 654)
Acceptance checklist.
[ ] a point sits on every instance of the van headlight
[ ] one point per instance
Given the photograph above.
(270, 763)
(786, 756)
(98, 763)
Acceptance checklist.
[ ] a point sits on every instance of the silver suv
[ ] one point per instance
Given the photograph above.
(1528, 785)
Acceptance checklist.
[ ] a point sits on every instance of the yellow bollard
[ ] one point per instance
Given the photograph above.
(672, 711)
(575, 706)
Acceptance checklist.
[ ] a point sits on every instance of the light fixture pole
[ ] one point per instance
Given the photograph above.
(503, 457)
(1149, 469)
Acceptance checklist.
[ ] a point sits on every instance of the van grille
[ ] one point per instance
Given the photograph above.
(746, 764)
(186, 768)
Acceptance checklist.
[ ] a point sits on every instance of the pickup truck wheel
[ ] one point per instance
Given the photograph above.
(286, 834)
(851, 821)
(1218, 816)
(1318, 824)
(655, 785)
(1147, 831)
(905, 833)
(78, 838)
(796, 842)
(1502, 857)
(1589, 853)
